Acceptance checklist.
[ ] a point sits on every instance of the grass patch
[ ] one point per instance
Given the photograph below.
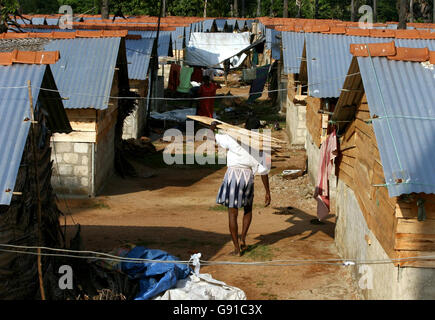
(259, 252)
(99, 205)
(218, 208)
(156, 160)
(271, 296)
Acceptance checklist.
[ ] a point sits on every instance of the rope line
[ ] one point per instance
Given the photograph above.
(109, 257)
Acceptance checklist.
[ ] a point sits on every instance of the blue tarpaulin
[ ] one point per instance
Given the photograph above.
(154, 277)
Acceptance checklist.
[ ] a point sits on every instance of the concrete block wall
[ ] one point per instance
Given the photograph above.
(72, 168)
(134, 124)
(296, 122)
(104, 159)
(387, 280)
(313, 154)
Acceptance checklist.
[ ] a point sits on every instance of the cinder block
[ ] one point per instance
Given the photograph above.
(64, 170)
(61, 147)
(84, 182)
(85, 160)
(81, 147)
(81, 171)
(71, 158)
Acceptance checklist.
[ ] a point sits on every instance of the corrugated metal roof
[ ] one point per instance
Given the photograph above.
(329, 57)
(220, 24)
(38, 20)
(187, 31)
(207, 25)
(14, 108)
(273, 41)
(164, 44)
(292, 47)
(85, 70)
(52, 21)
(178, 38)
(138, 57)
(406, 146)
(240, 24)
(231, 23)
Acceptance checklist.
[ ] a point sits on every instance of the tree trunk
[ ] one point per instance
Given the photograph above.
(316, 9)
(375, 11)
(236, 8)
(243, 8)
(105, 9)
(271, 8)
(403, 10)
(259, 8)
(352, 10)
(164, 8)
(299, 4)
(205, 8)
(411, 11)
(285, 9)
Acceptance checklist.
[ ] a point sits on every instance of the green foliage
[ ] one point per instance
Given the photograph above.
(327, 9)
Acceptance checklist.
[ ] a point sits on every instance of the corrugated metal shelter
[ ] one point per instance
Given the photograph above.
(400, 97)
(328, 58)
(38, 20)
(273, 42)
(220, 24)
(164, 47)
(178, 38)
(138, 57)
(292, 47)
(85, 71)
(207, 25)
(14, 109)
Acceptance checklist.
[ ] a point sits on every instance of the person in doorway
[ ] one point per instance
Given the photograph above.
(207, 89)
(237, 189)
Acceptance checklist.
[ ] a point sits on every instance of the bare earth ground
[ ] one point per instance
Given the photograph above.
(175, 211)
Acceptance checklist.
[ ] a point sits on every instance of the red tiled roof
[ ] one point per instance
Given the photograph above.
(29, 57)
(66, 35)
(373, 49)
(411, 54)
(390, 51)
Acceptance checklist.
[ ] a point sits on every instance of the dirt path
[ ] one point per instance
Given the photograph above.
(175, 211)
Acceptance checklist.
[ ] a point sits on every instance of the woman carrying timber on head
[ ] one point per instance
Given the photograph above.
(237, 189)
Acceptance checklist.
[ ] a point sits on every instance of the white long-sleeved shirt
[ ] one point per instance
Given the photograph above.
(239, 156)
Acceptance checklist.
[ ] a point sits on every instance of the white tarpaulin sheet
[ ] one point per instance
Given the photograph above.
(211, 49)
(202, 287)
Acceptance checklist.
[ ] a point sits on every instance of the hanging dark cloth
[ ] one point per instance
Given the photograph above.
(196, 75)
(174, 77)
(257, 86)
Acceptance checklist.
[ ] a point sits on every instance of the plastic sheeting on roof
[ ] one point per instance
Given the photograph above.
(85, 71)
(211, 49)
(404, 91)
(138, 57)
(292, 47)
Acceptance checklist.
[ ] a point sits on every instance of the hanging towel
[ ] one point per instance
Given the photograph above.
(185, 76)
(174, 77)
(328, 152)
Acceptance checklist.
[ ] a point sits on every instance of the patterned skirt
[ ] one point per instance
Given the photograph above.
(237, 189)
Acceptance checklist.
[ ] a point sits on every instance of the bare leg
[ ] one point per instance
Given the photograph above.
(247, 218)
(234, 229)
